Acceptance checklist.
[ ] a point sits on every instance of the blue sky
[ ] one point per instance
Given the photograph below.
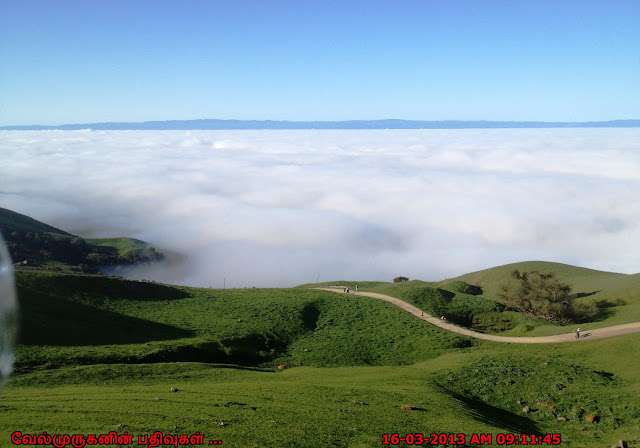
(77, 62)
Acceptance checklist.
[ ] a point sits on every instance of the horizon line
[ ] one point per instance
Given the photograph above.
(385, 123)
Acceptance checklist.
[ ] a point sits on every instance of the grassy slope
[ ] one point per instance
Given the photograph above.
(582, 279)
(620, 291)
(13, 221)
(16, 221)
(95, 349)
(353, 406)
(140, 322)
(122, 245)
(623, 289)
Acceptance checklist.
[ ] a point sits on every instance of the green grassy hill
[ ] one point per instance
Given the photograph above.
(10, 221)
(583, 280)
(66, 316)
(618, 293)
(471, 300)
(33, 243)
(122, 245)
(100, 354)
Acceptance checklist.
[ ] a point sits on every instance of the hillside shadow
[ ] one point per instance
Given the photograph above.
(142, 290)
(605, 309)
(253, 349)
(492, 415)
(310, 315)
(96, 287)
(48, 321)
(448, 295)
(249, 368)
(205, 352)
(586, 294)
(604, 374)
(214, 353)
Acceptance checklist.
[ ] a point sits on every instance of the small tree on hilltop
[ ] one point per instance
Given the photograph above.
(539, 295)
(400, 279)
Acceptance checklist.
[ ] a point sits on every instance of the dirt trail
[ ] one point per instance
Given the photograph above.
(598, 333)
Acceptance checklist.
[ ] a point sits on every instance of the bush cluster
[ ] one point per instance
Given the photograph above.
(39, 248)
(544, 296)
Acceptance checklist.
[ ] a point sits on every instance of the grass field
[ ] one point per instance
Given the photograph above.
(122, 245)
(101, 354)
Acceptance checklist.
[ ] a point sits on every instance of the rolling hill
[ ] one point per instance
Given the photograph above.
(100, 354)
(13, 221)
(582, 279)
(619, 293)
(33, 243)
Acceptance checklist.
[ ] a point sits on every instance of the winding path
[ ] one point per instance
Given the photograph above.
(598, 333)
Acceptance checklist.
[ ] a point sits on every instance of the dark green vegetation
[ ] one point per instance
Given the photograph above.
(32, 243)
(552, 383)
(599, 298)
(69, 316)
(400, 279)
(462, 309)
(101, 354)
(543, 296)
(10, 220)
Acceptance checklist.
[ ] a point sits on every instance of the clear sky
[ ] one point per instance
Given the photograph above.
(90, 61)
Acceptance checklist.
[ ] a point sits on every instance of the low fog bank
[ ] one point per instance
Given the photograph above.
(280, 208)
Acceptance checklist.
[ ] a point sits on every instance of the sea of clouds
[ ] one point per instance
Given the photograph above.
(280, 208)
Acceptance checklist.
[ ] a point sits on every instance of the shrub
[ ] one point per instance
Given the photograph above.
(462, 343)
(464, 288)
(539, 295)
(432, 300)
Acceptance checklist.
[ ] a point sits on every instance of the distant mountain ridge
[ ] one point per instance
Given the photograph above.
(216, 124)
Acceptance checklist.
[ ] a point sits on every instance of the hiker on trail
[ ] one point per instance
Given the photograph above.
(578, 333)
(356, 287)
(442, 318)
(421, 313)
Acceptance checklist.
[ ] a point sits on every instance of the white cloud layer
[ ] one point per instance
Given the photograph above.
(279, 208)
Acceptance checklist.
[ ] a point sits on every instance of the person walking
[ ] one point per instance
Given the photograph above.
(578, 333)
